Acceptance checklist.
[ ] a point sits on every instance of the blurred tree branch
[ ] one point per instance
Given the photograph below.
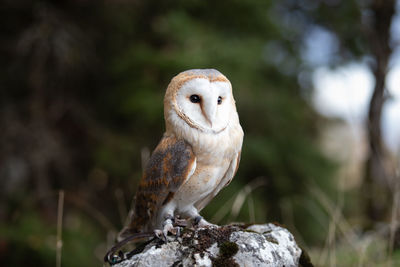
(377, 194)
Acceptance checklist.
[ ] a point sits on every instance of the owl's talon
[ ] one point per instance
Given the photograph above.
(180, 222)
(168, 228)
(160, 235)
(199, 222)
(165, 237)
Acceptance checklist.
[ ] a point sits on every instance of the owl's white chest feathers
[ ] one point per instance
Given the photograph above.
(203, 181)
(214, 153)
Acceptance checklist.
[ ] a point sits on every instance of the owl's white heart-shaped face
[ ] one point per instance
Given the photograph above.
(208, 105)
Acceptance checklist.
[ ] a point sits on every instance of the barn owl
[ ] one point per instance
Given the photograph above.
(197, 156)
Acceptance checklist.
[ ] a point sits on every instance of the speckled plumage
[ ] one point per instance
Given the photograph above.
(198, 155)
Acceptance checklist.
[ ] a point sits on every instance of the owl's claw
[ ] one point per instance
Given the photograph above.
(197, 220)
(180, 222)
(200, 222)
(160, 235)
(168, 227)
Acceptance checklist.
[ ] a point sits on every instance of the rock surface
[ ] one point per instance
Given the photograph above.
(232, 245)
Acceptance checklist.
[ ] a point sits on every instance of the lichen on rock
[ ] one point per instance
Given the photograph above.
(231, 245)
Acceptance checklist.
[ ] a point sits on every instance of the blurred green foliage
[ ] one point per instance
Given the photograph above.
(81, 95)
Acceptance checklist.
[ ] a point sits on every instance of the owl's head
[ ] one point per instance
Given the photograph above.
(202, 98)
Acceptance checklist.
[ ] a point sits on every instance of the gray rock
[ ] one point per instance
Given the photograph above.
(231, 245)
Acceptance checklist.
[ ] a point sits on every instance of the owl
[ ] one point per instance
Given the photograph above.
(197, 156)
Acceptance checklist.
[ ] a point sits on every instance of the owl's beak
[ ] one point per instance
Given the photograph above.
(209, 110)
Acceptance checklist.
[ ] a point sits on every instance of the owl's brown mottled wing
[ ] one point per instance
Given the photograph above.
(170, 165)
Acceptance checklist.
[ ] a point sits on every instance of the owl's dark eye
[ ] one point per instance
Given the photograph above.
(195, 99)
(219, 100)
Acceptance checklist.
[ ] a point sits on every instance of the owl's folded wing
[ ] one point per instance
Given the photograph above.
(170, 166)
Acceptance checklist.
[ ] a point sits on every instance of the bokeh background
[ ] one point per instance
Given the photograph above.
(317, 89)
